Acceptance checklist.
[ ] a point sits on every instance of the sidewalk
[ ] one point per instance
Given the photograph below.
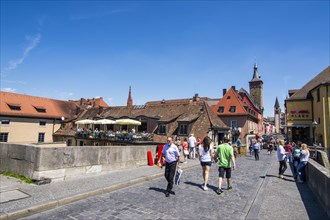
(26, 199)
(284, 199)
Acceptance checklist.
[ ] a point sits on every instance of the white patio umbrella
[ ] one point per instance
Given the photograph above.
(84, 122)
(104, 122)
(127, 121)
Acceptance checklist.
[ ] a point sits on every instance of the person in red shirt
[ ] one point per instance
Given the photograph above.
(288, 148)
(185, 149)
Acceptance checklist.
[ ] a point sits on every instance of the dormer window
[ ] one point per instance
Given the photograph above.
(232, 109)
(221, 109)
(162, 129)
(40, 109)
(183, 129)
(14, 107)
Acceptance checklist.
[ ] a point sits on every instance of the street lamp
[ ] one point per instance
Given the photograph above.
(314, 124)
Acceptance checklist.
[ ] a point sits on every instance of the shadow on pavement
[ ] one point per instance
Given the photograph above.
(157, 189)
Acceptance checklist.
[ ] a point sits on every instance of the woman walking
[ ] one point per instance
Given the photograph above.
(205, 156)
(281, 155)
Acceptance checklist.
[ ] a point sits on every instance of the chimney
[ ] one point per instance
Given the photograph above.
(234, 88)
(224, 91)
(196, 98)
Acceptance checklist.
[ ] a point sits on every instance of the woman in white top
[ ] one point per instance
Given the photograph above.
(281, 155)
(205, 156)
(304, 157)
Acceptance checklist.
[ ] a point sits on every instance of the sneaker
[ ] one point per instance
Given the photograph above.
(229, 188)
(219, 191)
(167, 194)
(205, 188)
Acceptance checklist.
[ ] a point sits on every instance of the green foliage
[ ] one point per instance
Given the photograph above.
(17, 176)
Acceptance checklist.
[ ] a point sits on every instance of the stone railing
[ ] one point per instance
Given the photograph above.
(59, 163)
(318, 180)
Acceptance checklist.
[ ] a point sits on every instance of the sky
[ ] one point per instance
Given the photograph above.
(69, 50)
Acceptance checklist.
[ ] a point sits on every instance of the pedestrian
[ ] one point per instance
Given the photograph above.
(185, 149)
(238, 144)
(192, 146)
(177, 142)
(224, 153)
(198, 143)
(296, 159)
(281, 156)
(206, 153)
(256, 149)
(270, 148)
(304, 157)
(289, 149)
(171, 155)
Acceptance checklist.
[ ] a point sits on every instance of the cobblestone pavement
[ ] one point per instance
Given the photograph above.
(257, 194)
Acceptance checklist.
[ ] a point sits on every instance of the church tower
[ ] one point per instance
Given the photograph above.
(256, 88)
(277, 116)
(129, 99)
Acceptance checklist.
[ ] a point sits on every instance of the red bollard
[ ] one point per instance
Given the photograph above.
(150, 159)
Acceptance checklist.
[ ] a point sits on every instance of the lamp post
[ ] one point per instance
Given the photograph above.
(314, 124)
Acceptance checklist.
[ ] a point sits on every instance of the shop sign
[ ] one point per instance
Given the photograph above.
(299, 113)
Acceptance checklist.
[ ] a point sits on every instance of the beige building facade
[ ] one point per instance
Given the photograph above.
(307, 111)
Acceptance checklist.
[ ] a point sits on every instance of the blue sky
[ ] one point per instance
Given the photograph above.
(163, 49)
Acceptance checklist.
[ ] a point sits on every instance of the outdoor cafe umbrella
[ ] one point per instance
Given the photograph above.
(127, 121)
(84, 122)
(104, 122)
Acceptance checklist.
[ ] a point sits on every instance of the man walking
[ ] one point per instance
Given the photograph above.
(192, 146)
(171, 155)
(225, 154)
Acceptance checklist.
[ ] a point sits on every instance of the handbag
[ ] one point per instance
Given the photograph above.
(178, 176)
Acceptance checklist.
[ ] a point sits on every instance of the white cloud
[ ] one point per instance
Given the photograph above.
(14, 82)
(65, 95)
(33, 41)
(97, 15)
(8, 89)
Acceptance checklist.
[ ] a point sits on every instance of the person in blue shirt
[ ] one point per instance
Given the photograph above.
(171, 156)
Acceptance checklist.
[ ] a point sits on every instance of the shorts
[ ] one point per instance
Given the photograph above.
(208, 163)
(222, 171)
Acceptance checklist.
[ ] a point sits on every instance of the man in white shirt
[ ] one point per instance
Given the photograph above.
(192, 146)
(171, 155)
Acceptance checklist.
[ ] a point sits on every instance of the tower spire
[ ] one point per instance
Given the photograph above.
(256, 75)
(277, 105)
(129, 99)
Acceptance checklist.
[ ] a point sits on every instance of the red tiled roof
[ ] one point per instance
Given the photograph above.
(29, 106)
(231, 98)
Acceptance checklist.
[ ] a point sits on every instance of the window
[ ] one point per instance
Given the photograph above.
(232, 109)
(5, 121)
(233, 124)
(221, 109)
(183, 129)
(14, 107)
(228, 97)
(318, 94)
(40, 109)
(41, 137)
(42, 123)
(162, 129)
(4, 137)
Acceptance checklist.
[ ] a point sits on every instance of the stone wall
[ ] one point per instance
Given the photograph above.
(318, 179)
(59, 163)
